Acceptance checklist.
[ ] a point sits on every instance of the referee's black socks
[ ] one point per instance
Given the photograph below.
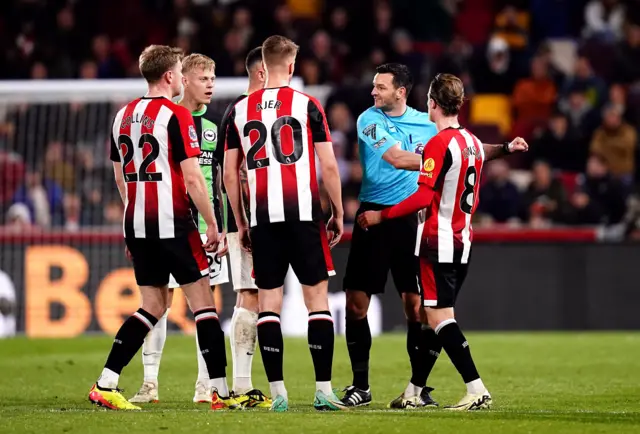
(358, 336)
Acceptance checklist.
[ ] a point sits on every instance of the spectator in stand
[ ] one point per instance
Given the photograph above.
(599, 197)
(500, 197)
(18, 219)
(545, 199)
(583, 118)
(57, 167)
(545, 53)
(321, 47)
(627, 60)
(583, 76)
(603, 20)
(494, 72)
(402, 45)
(43, 198)
(616, 141)
(512, 25)
(108, 66)
(534, 97)
(560, 146)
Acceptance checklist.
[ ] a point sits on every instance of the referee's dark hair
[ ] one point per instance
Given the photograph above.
(447, 91)
(254, 56)
(401, 75)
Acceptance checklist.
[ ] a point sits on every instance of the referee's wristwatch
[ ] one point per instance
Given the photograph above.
(505, 147)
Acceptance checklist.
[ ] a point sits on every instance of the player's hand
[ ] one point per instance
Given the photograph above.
(518, 145)
(335, 229)
(245, 240)
(223, 247)
(127, 253)
(212, 238)
(369, 218)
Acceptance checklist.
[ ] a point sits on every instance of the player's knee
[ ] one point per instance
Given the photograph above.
(436, 316)
(157, 309)
(248, 299)
(357, 305)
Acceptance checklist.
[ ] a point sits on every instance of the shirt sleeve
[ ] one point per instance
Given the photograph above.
(318, 122)
(436, 160)
(373, 132)
(232, 135)
(115, 154)
(183, 136)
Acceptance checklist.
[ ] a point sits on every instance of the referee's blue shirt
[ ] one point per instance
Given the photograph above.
(382, 183)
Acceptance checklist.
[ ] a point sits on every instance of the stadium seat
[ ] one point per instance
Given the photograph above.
(474, 25)
(492, 109)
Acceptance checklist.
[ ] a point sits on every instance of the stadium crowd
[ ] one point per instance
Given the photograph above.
(564, 74)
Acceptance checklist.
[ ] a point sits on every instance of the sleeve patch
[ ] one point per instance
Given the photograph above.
(192, 134)
(380, 142)
(370, 131)
(429, 165)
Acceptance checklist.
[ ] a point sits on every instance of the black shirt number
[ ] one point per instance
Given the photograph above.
(143, 175)
(257, 163)
(467, 198)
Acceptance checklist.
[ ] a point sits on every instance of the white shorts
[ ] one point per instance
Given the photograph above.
(218, 270)
(241, 264)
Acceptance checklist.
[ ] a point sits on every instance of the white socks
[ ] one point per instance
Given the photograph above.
(277, 388)
(203, 373)
(243, 336)
(108, 379)
(412, 390)
(324, 387)
(476, 387)
(221, 385)
(152, 349)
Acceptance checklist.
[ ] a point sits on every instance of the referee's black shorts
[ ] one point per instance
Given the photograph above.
(389, 246)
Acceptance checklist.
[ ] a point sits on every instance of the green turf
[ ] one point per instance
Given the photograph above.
(541, 383)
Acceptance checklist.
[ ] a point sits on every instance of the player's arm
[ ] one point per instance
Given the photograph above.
(491, 152)
(374, 134)
(117, 170)
(186, 149)
(329, 168)
(435, 160)
(232, 162)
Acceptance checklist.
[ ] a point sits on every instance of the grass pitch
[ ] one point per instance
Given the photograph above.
(540, 382)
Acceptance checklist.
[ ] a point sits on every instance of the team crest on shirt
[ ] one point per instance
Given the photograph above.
(419, 148)
(192, 133)
(209, 135)
(429, 165)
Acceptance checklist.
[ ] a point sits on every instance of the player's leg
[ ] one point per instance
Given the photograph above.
(441, 283)
(366, 274)
(152, 354)
(270, 267)
(422, 344)
(218, 274)
(244, 325)
(189, 265)
(310, 258)
(152, 278)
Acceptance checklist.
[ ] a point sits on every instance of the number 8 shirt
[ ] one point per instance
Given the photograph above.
(451, 165)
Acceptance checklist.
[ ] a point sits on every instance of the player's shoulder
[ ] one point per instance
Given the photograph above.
(371, 115)
(213, 113)
(178, 110)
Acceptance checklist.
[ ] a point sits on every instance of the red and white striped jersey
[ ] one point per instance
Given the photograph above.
(276, 129)
(150, 137)
(451, 165)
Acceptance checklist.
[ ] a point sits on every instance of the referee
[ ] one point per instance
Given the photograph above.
(391, 137)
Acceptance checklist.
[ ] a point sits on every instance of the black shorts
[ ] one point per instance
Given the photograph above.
(303, 245)
(155, 259)
(440, 283)
(389, 246)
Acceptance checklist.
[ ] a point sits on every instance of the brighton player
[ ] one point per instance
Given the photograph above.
(449, 184)
(243, 334)
(198, 83)
(154, 149)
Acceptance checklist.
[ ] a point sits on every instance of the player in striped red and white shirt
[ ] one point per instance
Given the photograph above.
(277, 132)
(154, 149)
(449, 183)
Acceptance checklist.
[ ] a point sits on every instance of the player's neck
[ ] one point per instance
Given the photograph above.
(448, 122)
(191, 105)
(277, 80)
(398, 110)
(254, 87)
(158, 91)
